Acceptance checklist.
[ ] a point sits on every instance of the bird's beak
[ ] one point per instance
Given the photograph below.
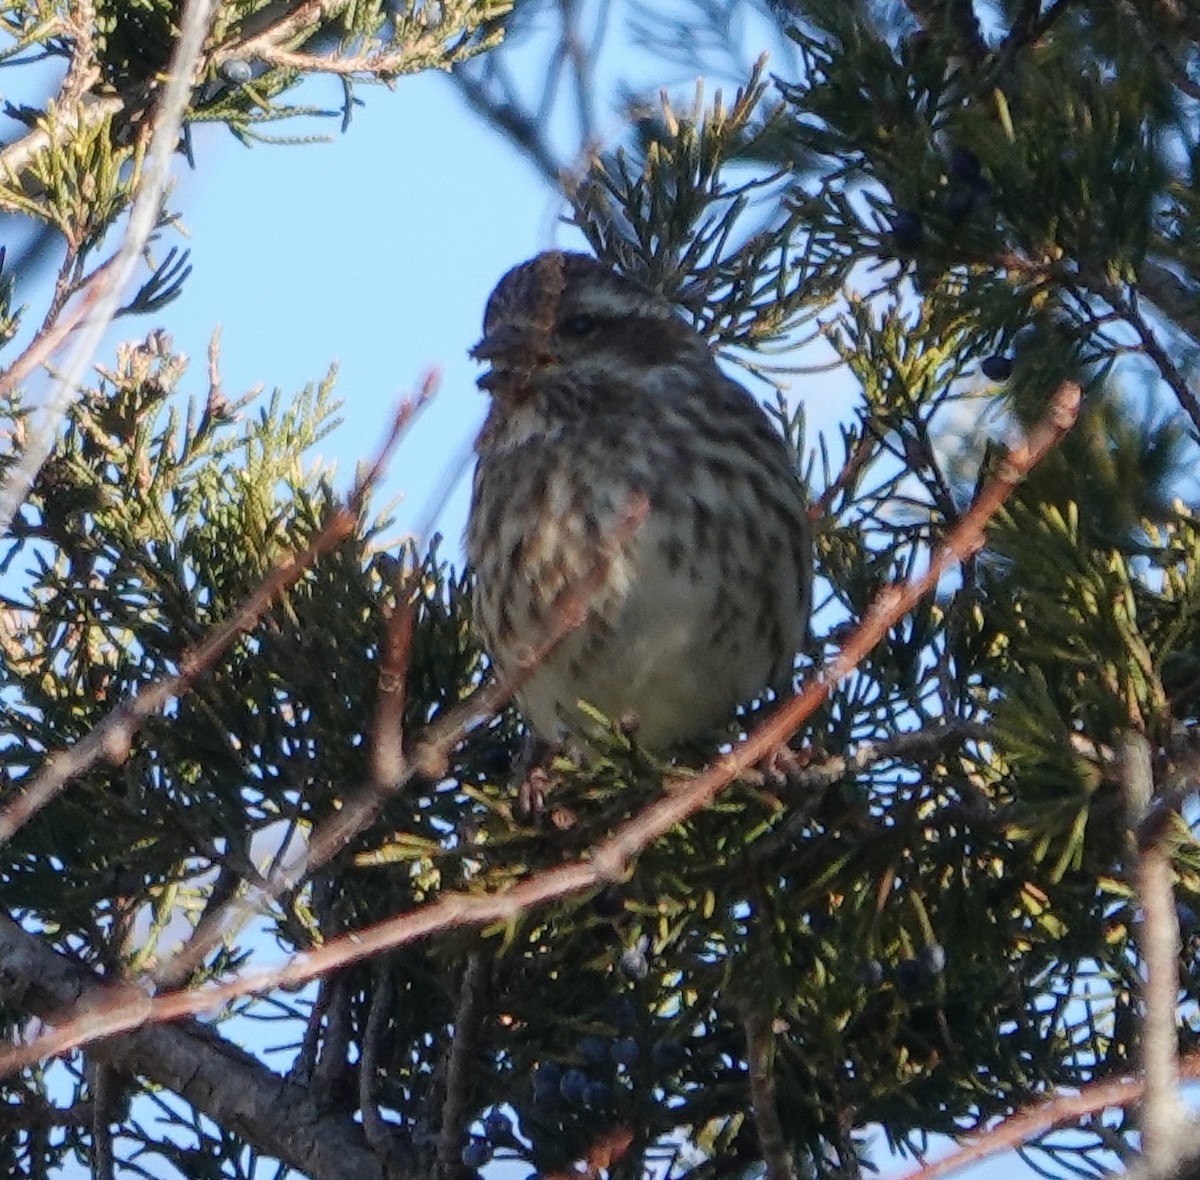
(512, 349)
(502, 340)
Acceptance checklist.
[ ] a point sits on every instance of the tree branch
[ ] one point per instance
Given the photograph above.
(1162, 1111)
(1127, 307)
(220, 1080)
(1061, 1110)
(760, 1058)
(468, 1019)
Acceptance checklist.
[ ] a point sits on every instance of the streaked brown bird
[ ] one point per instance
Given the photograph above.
(603, 395)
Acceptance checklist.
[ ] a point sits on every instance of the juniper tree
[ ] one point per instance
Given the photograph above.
(931, 916)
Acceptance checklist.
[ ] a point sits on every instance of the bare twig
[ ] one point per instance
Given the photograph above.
(111, 739)
(1168, 370)
(607, 860)
(387, 730)
(333, 1060)
(1171, 296)
(103, 1082)
(293, 22)
(104, 293)
(302, 1068)
(856, 460)
(270, 45)
(1162, 1111)
(805, 785)
(460, 1070)
(376, 1128)
(1032, 1123)
(760, 1058)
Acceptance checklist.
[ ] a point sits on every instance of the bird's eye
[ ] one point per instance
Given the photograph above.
(578, 326)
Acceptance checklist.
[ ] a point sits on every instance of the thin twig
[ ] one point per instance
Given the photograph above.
(760, 1059)
(1167, 368)
(1171, 295)
(856, 460)
(1037, 1121)
(375, 1127)
(128, 1008)
(387, 729)
(333, 1060)
(460, 1069)
(296, 20)
(806, 785)
(302, 1068)
(1158, 937)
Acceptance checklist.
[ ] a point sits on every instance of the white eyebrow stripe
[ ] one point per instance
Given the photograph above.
(608, 304)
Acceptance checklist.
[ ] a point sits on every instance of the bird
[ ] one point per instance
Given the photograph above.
(603, 396)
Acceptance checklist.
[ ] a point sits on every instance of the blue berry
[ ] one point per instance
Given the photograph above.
(907, 232)
(597, 1095)
(625, 1014)
(546, 1084)
(236, 71)
(965, 166)
(959, 203)
(593, 1050)
(871, 973)
(625, 1051)
(573, 1086)
(549, 1073)
(634, 964)
(546, 1098)
(997, 368)
(932, 959)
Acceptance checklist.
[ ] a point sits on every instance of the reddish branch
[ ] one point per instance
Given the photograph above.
(609, 859)
(1060, 1111)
